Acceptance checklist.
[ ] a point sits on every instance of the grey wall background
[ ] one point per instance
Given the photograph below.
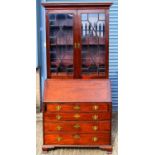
(113, 44)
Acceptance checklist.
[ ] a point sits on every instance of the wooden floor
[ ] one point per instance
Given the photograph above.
(75, 151)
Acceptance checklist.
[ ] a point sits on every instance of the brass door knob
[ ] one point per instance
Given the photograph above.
(58, 107)
(77, 107)
(94, 139)
(95, 107)
(95, 117)
(76, 45)
(76, 126)
(59, 139)
(95, 127)
(58, 117)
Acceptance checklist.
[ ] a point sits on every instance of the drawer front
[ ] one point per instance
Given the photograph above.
(77, 116)
(77, 139)
(78, 107)
(77, 127)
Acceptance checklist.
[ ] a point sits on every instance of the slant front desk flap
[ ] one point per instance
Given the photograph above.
(77, 90)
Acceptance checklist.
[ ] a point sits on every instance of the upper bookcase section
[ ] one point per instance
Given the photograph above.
(77, 40)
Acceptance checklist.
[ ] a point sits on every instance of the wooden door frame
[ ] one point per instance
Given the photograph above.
(48, 40)
(106, 12)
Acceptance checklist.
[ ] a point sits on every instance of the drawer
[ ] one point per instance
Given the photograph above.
(91, 127)
(100, 116)
(77, 107)
(77, 139)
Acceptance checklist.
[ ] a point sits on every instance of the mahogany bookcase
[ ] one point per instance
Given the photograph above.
(77, 93)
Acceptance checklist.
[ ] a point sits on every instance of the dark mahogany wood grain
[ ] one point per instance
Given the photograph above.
(69, 138)
(77, 107)
(83, 5)
(80, 127)
(77, 90)
(77, 116)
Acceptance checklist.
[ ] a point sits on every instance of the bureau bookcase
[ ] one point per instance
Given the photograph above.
(77, 92)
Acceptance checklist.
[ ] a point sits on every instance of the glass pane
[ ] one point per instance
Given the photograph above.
(52, 17)
(84, 16)
(93, 44)
(101, 16)
(61, 44)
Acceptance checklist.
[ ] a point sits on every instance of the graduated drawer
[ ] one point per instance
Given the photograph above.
(100, 116)
(92, 127)
(77, 139)
(77, 107)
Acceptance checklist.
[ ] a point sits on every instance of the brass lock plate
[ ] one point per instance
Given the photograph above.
(76, 107)
(76, 126)
(95, 117)
(95, 107)
(58, 107)
(95, 127)
(95, 139)
(76, 136)
(76, 116)
(58, 117)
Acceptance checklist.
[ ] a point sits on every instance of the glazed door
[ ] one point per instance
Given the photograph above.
(77, 43)
(60, 43)
(93, 43)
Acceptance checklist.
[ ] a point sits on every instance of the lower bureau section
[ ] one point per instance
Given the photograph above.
(77, 139)
(80, 118)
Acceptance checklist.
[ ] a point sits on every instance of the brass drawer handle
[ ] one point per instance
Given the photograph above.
(94, 139)
(76, 126)
(76, 136)
(95, 107)
(77, 107)
(76, 116)
(95, 127)
(59, 127)
(59, 139)
(58, 117)
(95, 117)
(58, 107)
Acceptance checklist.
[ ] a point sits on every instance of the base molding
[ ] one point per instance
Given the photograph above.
(107, 148)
